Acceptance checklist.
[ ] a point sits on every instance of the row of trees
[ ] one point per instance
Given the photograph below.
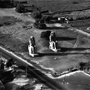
(10, 3)
(36, 12)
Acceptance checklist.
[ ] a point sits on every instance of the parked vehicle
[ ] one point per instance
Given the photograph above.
(51, 19)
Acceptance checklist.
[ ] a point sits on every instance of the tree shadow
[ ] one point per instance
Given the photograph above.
(4, 4)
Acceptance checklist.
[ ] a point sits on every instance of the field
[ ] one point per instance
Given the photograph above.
(78, 81)
(16, 29)
(62, 5)
(15, 37)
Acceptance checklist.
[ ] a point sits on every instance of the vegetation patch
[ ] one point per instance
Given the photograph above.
(8, 20)
(13, 44)
(62, 5)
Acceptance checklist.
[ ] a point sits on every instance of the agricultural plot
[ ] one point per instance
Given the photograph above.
(62, 5)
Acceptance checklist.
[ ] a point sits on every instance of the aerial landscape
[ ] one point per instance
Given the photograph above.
(44, 44)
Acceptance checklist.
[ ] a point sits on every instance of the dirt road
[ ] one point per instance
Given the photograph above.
(12, 12)
(80, 31)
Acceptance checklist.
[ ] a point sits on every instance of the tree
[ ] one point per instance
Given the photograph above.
(20, 8)
(36, 14)
(45, 35)
(82, 64)
(39, 24)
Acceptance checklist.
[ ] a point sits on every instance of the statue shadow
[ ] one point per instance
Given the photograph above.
(62, 52)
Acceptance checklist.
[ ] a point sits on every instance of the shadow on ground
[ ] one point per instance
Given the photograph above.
(63, 52)
(63, 49)
(46, 35)
(55, 28)
(65, 38)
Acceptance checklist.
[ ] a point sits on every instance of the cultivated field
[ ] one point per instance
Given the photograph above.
(62, 5)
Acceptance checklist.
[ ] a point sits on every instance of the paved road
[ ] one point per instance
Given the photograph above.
(34, 70)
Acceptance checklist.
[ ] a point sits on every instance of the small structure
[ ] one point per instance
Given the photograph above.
(63, 20)
(54, 19)
(52, 42)
(32, 46)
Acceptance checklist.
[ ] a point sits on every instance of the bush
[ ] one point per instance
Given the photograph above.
(7, 23)
(40, 26)
(45, 35)
(75, 2)
(36, 14)
(20, 8)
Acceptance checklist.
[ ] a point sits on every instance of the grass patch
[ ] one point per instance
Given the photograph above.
(62, 5)
(80, 23)
(12, 44)
(8, 20)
